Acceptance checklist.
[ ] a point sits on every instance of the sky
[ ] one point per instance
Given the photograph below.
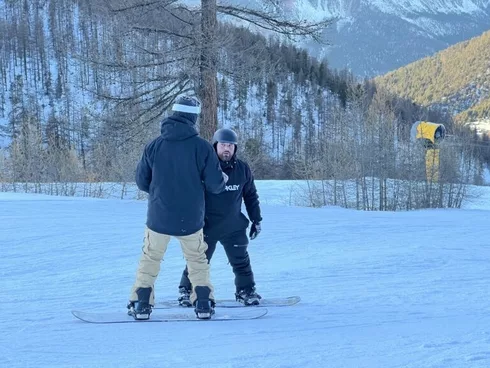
(378, 289)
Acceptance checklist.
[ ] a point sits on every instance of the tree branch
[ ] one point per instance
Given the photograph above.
(281, 26)
(160, 30)
(143, 4)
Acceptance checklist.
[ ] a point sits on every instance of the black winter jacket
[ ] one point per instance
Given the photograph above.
(223, 211)
(175, 170)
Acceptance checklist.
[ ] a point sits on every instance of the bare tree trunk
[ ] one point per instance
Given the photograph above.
(358, 202)
(208, 70)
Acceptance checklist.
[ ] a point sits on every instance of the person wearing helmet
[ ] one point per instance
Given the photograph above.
(225, 222)
(175, 170)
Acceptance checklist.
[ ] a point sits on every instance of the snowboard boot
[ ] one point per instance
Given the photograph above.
(248, 296)
(141, 309)
(203, 306)
(185, 297)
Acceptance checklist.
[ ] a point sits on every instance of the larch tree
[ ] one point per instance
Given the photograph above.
(197, 43)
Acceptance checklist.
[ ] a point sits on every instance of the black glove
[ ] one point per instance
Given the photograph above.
(255, 230)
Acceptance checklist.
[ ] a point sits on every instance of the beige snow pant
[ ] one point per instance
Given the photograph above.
(154, 248)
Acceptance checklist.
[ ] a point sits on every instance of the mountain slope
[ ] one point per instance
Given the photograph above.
(455, 79)
(373, 37)
(477, 112)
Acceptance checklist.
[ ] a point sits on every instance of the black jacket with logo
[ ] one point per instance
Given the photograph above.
(224, 211)
(176, 169)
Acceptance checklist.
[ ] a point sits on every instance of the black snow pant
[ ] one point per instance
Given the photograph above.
(235, 245)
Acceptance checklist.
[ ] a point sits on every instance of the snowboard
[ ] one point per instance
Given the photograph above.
(231, 303)
(169, 316)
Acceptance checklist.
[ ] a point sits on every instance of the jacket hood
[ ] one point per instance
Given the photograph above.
(177, 128)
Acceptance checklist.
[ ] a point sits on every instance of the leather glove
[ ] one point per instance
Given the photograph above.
(255, 230)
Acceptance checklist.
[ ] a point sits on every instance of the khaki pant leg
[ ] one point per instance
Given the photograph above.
(194, 248)
(154, 248)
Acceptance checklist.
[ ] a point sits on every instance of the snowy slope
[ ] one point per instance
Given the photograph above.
(373, 37)
(482, 127)
(406, 289)
(395, 7)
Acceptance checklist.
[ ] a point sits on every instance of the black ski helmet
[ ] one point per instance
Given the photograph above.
(225, 135)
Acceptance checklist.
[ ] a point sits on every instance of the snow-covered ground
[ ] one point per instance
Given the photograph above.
(481, 126)
(379, 289)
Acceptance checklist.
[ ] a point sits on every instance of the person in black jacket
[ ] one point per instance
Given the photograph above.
(226, 223)
(175, 170)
